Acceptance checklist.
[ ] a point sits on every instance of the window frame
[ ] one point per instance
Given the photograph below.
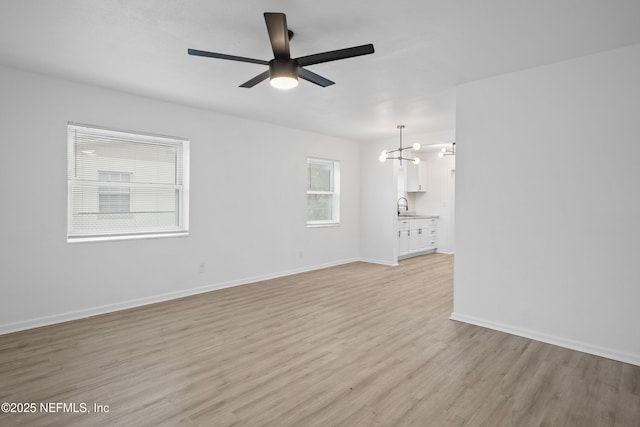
(182, 189)
(335, 193)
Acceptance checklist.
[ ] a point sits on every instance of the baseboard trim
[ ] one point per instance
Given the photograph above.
(583, 347)
(379, 261)
(416, 254)
(139, 302)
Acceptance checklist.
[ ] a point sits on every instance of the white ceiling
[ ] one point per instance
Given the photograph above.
(424, 48)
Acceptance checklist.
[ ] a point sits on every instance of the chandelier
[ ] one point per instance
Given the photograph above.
(385, 154)
(447, 152)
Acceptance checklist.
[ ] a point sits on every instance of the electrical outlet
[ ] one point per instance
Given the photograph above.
(201, 268)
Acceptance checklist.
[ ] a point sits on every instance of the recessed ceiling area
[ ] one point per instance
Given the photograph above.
(423, 50)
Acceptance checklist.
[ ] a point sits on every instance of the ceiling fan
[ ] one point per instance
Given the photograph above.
(283, 70)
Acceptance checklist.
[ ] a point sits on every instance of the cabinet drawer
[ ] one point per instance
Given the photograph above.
(420, 223)
(404, 224)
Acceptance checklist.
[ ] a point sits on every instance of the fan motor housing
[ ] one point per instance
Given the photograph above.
(283, 68)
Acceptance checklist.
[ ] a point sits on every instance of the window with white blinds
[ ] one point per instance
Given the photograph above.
(126, 185)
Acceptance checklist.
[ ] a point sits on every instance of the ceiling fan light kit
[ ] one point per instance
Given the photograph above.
(284, 71)
(283, 74)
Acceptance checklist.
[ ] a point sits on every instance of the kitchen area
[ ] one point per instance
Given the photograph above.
(425, 203)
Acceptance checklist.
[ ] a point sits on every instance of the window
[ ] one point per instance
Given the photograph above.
(125, 185)
(323, 192)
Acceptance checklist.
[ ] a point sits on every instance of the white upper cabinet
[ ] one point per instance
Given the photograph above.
(416, 177)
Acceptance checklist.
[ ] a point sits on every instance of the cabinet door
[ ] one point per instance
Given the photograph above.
(403, 237)
(416, 177)
(423, 239)
(414, 240)
(418, 235)
(403, 241)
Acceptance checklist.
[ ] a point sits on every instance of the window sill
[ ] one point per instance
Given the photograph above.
(324, 225)
(106, 238)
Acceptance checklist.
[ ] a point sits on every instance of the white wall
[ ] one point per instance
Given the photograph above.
(248, 205)
(547, 209)
(379, 220)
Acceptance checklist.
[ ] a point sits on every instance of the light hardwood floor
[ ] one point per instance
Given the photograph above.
(354, 345)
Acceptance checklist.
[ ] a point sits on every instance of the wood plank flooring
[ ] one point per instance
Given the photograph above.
(353, 345)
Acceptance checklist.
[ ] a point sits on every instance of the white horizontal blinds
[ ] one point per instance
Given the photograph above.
(123, 183)
(147, 159)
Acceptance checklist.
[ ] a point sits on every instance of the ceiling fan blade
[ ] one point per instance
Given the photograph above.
(223, 56)
(314, 78)
(334, 55)
(278, 34)
(257, 79)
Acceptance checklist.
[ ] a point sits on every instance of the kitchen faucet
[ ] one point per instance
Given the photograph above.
(406, 204)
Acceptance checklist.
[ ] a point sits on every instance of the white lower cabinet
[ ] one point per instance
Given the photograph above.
(416, 236)
(419, 235)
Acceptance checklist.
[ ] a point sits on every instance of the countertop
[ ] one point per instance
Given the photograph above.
(402, 217)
